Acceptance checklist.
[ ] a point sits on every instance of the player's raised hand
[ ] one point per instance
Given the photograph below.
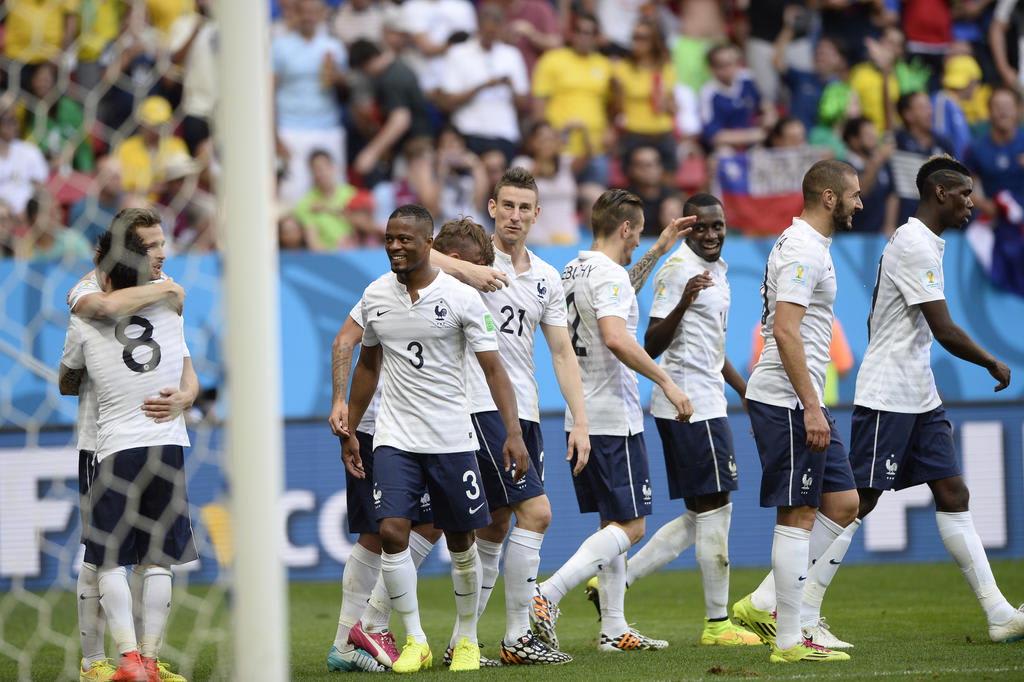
(694, 286)
(168, 406)
(673, 232)
(338, 419)
(680, 401)
(514, 452)
(1000, 373)
(350, 456)
(579, 445)
(818, 431)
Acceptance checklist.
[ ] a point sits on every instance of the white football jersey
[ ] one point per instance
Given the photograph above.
(696, 355)
(896, 373)
(128, 361)
(423, 406)
(800, 271)
(596, 287)
(366, 424)
(531, 298)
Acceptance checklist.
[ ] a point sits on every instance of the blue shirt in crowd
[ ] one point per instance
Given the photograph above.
(728, 107)
(302, 100)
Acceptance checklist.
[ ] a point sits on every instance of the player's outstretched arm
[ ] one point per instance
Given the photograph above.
(112, 304)
(954, 339)
(676, 230)
(346, 340)
(567, 371)
(786, 331)
(364, 383)
(628, 350)
(172, 402)
(480, 277)
(505, 398)
(735, 380)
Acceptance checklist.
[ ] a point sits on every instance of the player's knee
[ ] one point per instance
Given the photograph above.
(951, 495)
(534, 514)
(459, 542)
(429, 531)
(394, 537)
(150, 570)
(868, 499)
(370, 542)
(634, 529)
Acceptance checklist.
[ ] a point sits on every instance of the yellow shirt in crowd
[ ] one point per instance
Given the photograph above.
(163, 13)
(637, 85)
(34, 29)
(866, 81)
(577, 88)
(99, 25)
(140, 167)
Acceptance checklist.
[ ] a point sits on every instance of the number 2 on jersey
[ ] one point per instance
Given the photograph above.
(143, 339)
(570, 301)
(506, 325)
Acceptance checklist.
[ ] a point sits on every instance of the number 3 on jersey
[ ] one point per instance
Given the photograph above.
(130, 344)
(417, 350)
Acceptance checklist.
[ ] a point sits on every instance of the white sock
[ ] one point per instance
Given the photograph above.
(116, 600)
(820, 575)
(156, 607)
(378, 608)
(789, 564)
(400, 577)
(600, 548)
(91, 623)
(666, 544)
(136, 583)
(823, 534)
(466, 579)
(490, 558)
(961, 540)
(713, 559)
(361, 571)
(612, 588)
(763, 597)
(521, 564)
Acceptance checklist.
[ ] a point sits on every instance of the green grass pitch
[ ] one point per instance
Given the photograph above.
(917, 621)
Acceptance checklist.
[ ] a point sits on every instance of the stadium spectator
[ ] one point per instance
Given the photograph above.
(47, 239)
(573, 84)
(185, 208)
(132, 73)
(98, 28)
(322, 209)
(533, 27)
(291, 236)
(701, 27)
(462, 179)
(961, 90)
(805, 87)
(875, 82)
(359, 19)
(144, 155)
(92, 214)
(928, 26)
(616, 20)
(8, 230)
(644, 94)
(916, 142)
(434, 26)
(850, 22)
(730, 103)
(163, 13)
(193, 46)
(484, 85)
(309, 66)
(996, 160)
(555, 173)
(839, 104)
(400, 114)
(22, 166)
(870, 156)
(646, 177)
(35, 31)
(366, 233)
(1009, 14)
(778, 42)
(55, 122)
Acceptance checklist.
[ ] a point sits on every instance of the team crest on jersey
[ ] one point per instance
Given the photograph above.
(646, 490)
(377, 495)
(442, 314)
(800, 274)
(891, 466)
(542, 290)
(425, 502)
(732, 468)
(930, 279)
(806, 481)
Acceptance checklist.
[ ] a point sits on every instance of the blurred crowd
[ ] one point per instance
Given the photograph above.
(109, 103)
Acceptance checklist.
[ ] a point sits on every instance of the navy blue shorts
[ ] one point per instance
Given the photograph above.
(138, 509)
(616, 483)
(792, 475)
(450, 483)
(534, 440)
(362, 517)
(896, 450)
(699, 457)
(499, 486)
(86, 471)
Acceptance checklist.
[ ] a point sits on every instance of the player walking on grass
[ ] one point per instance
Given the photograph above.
(806, 473)
(138, 505)
(687, 328)
(603, 315)
(418, 324)
(900, 435)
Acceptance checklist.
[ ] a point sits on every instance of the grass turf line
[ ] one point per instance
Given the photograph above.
(907, 621)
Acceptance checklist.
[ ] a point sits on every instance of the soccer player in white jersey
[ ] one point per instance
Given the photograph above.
(806, 473)
(418, 324)
(687, 328)
(603, 316)
(900, 435)
(87, 300)
(138, 506)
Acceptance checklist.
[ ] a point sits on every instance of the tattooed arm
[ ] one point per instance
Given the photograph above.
(680, 227)
(345, 342)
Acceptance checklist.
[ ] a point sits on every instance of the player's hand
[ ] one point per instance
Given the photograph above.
(168, 407)
(338, 419)
(175, 295)
(515, 452)
(673, 232)
(1000, 373)
(483, 278)
(680, 401)
(697, 284)
(350, 456)
(817, 429)
(579, 445)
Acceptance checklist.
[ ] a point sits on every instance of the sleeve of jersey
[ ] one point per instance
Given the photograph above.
(919, 277)
(73, 356)
(370, 337)
(81, 290)
(478, 325)
(357, 314)
(797, 273)
(613, 294)
(666, 290)
(555, 313)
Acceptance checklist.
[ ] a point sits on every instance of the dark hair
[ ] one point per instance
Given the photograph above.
(699, 201)
(853, 127)
(659, 47)
(639, 148)
(996, 89)
(940, 170)
(128, 220)
(612, 208)
(361, 52)
(461, 232)
(779, 129)
(715, 49)
(581, 15)
(827, 174)
(517, 176)
(904, 102)
(415, 214)
(122, 257)
(317, 153)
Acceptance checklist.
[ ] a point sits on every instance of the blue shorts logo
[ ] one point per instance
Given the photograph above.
(807, 481)
(891, 465)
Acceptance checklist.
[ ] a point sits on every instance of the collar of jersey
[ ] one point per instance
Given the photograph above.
(506, 259)
(424, 292)
(921, 227)
(587, 255)
(684, 251)
(804, 226)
